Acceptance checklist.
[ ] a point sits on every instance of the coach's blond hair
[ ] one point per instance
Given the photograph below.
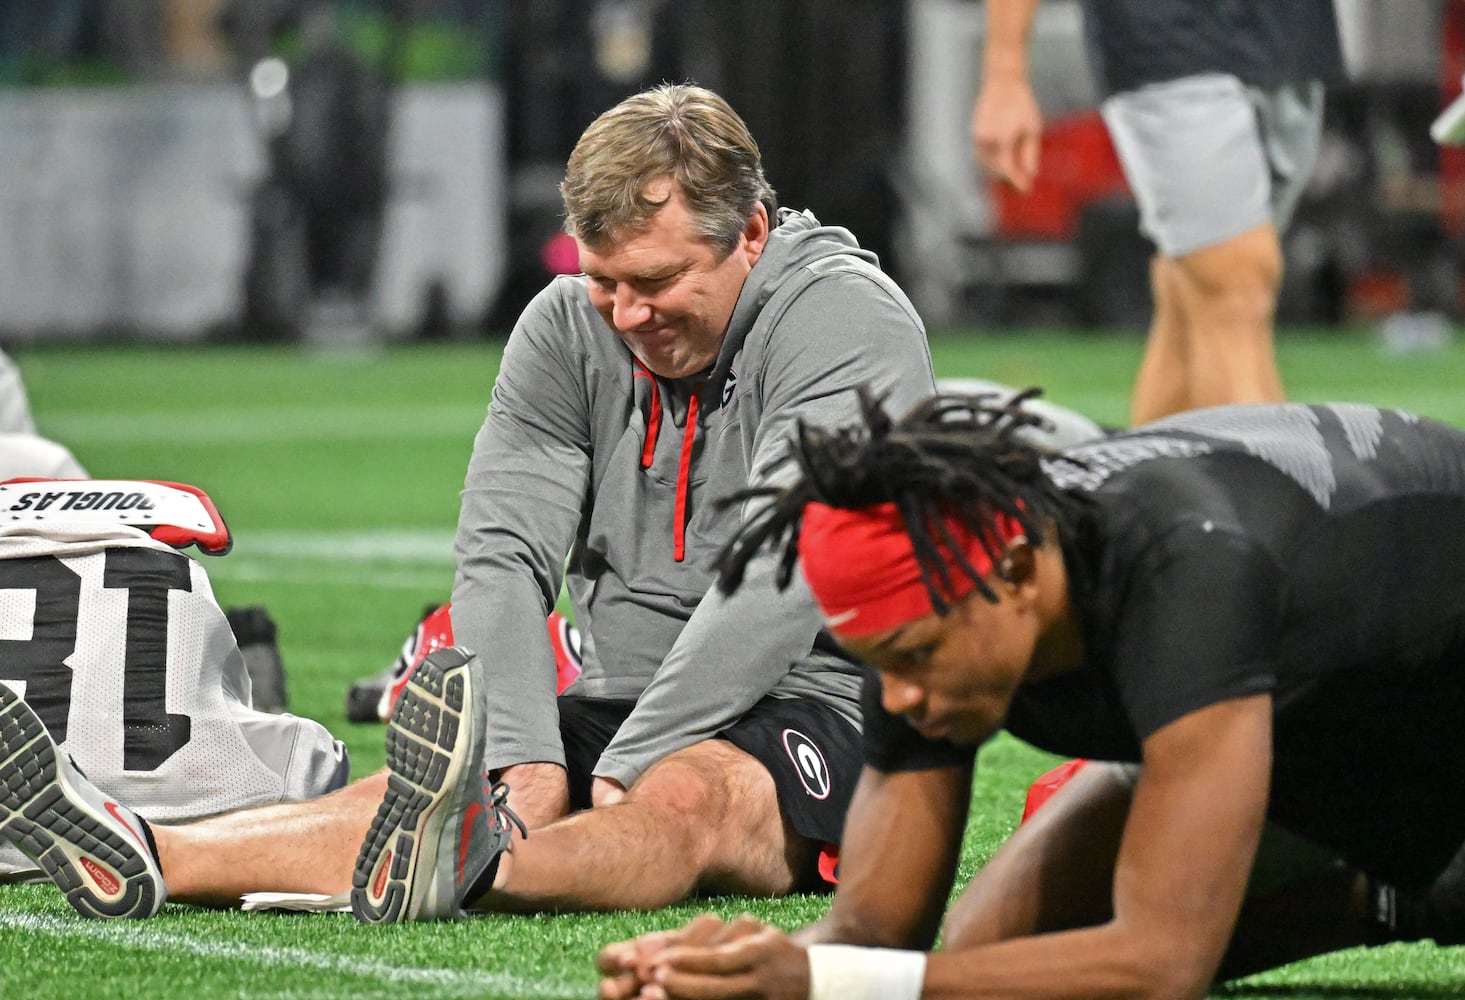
(679, 131)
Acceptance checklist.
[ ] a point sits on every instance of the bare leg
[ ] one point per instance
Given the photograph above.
(704, 818)
(539, 793)
(307, 846)
(1219, 301)
(1161, 387)
(1229, 295)
(1055, 873)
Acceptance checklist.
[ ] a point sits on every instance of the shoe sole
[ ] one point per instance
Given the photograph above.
(425, 764)
(98, 867)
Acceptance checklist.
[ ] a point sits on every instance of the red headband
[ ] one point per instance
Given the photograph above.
(862, 567)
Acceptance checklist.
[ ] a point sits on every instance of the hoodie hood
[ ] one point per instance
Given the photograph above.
(798, 241)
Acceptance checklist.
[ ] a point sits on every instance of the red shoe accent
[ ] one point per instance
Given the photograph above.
(467, 835)
(381, 876)
(103, 878)
(436, 631)
(116, 812)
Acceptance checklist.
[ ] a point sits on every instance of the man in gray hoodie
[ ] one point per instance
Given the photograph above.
(711, 742)
(713, 735)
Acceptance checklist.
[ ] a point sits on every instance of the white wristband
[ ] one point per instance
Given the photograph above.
(845, 972)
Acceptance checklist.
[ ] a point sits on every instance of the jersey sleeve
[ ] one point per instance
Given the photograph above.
(1197, 623)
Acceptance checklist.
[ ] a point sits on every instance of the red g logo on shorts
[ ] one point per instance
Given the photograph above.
(809, 762)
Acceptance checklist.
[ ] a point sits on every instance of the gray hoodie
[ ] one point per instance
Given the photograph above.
(584, 452)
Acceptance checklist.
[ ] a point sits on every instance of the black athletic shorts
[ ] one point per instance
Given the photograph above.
(813, 754)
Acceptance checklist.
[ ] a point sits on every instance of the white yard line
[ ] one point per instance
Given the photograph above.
(429, 547)
(141, 937)
(420, 561)
(283, 424)
(337, 575)
(416, 561)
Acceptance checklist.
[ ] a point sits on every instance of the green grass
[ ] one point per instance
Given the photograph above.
(339, 476)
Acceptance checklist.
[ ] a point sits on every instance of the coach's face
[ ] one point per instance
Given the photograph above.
(665, 290)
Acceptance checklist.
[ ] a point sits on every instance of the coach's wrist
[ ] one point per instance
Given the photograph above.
(606, 792)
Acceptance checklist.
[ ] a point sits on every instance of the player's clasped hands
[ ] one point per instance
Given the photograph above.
(708, 958)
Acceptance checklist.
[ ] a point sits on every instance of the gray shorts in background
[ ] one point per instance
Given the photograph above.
(1209, 157)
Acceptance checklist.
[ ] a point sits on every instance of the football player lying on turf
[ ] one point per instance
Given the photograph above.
(1259, 608)
(372, 699)
(24, 453)
(116, 643)
(716, 738)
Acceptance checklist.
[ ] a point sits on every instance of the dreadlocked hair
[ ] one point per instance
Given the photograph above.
(952, 456)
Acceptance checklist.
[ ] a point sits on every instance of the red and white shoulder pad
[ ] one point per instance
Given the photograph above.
(173, 513)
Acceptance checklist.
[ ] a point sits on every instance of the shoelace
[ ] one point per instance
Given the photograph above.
(503, 815)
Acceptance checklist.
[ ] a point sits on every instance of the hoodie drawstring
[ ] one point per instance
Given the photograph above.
(684, 464)
(653, 425)
(684, 473)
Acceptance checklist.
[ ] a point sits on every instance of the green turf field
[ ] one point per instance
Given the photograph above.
(339, 476)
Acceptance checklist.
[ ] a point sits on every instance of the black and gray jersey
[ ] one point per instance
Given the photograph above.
(1315, 554)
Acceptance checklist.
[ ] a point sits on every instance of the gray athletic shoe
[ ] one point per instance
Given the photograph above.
(91, 847)
(440, 828)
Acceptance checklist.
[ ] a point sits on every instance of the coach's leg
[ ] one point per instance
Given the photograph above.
(1055, 872)
(706, 817)
(307, 846)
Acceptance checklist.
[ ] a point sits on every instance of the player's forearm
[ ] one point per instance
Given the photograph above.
(1089, 964)
(865, 927)
(893, 884)
(1005, 38)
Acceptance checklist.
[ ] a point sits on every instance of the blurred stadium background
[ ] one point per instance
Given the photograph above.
(387, 169)
(272, 247)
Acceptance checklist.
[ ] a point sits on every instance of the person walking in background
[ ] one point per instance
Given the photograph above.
(1215, 111)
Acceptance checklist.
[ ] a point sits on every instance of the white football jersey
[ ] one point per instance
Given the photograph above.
(116, 641)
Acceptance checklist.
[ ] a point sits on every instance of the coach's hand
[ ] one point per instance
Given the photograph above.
(606, 792)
